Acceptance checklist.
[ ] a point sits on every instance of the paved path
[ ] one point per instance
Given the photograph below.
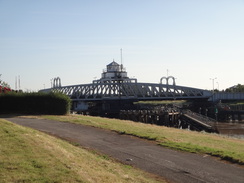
(173, 165)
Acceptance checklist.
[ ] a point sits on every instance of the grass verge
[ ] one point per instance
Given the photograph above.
(27, 155)
(226, 148)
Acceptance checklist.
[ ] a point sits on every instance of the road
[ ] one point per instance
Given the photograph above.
(174, 166)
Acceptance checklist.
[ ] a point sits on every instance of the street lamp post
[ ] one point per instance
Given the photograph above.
(217, 85)
(213, 82)
(213, 87)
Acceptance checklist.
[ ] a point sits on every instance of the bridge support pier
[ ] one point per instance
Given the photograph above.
(152, 117)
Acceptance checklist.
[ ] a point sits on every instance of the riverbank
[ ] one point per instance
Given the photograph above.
(174, 165)
(226, 148)
(28, 155)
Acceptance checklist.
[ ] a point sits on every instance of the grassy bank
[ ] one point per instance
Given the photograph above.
(197, 142)
(27, 155)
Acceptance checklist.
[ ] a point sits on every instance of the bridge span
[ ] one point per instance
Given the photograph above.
(114, 84)
(127, 90)
(227, 96)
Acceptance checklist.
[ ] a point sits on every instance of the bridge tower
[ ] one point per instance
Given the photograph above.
(115, 73)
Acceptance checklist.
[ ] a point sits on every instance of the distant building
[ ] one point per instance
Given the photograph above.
(232, 87)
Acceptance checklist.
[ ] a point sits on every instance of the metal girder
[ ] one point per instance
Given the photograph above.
(139, 91)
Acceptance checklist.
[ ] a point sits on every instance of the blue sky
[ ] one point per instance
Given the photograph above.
(194, 40)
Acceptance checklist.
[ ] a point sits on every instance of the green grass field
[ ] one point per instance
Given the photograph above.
(226, 148)
(28, 155)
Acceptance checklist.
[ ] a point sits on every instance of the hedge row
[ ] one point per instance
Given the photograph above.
(34, 103)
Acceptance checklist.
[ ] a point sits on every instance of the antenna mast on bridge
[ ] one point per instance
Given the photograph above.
(121, 60)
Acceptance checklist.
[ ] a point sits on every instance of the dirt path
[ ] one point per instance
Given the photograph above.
(173, 165)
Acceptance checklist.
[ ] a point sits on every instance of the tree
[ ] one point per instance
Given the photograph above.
(236, 88)
(3, 84)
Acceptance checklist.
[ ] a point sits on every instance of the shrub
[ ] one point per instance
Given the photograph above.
(34, 103)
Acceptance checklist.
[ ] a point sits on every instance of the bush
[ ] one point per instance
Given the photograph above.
(35, 103)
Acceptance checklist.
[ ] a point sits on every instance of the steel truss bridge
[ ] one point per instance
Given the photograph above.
(116, 85)
(129, 90)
